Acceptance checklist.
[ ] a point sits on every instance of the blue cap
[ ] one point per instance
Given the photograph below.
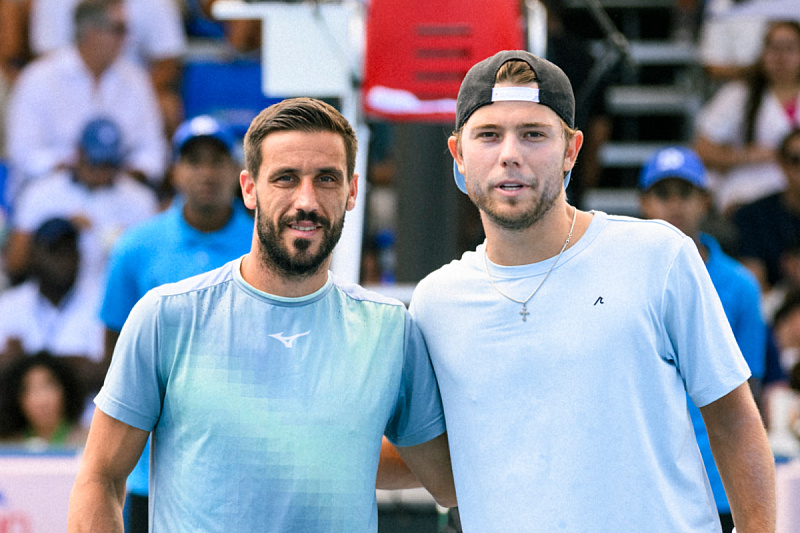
(101, 142)
(202, 126)
(674, 162)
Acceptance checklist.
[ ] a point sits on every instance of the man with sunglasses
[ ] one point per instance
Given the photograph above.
(769, 227)
(58, 93)
(675, 188)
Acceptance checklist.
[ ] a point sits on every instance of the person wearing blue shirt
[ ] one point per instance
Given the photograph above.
(566, 343)
(675, 188)
(205, 227)
(267, 383)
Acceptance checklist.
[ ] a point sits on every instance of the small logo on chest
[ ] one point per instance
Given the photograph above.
(288, 341)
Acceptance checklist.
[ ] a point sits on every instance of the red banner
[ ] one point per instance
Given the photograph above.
(417, 52)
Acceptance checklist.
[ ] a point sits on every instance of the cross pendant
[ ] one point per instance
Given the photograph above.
(524, 313)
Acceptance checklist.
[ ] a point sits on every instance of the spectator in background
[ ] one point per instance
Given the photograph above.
(589, 78)
(564, 383)
(729, 45)
(41, 402)
(53, 311)
(96, 194)
(244, 35)
(770, 227)
(57, 94)
(300, 181)
(206, 227)
(675, 188)
(14, 53)
(156, 40)
(781, 396)
(740, 129)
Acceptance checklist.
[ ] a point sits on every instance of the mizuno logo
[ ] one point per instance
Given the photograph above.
(288, 341)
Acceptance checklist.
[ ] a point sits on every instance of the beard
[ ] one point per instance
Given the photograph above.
(520, 219)
(295, 260)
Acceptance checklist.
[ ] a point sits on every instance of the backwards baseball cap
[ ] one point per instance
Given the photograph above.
(101, 142)
(674, 162)
(202, 126)
(54, 230)
(477, 90)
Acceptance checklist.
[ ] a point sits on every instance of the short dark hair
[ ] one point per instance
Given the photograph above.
(298, 114)
(90, 13)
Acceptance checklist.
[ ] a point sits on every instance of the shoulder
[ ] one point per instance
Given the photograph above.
(160, 226)
(45, 66)
(639, 234)
(131, 72)
(357, 293)
(763, 206)
(193, 286)
(53, 195)
(726, 268)
(48, 186)
(731, 91)
(14, 297)
(150, 234)
(448, 279)
(135, 191)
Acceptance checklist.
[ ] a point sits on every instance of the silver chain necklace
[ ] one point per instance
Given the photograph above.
(524, 312)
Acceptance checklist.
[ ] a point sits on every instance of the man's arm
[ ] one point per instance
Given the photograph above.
(98, 496)
(742, 453)
(393, 472)
(426, 465)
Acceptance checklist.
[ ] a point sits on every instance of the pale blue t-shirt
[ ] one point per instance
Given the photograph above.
(267, 412)
(577, 419)
(166, 249)
(740, 295)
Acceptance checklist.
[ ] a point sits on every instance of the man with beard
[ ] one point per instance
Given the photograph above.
(267, 383)
(566, 344)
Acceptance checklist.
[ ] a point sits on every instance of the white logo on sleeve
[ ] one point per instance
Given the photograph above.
(288, 341)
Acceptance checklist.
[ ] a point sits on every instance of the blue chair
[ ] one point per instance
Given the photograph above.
(227, 90)
(3, 180)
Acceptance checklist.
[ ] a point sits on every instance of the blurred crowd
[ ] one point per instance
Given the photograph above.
(95, 145)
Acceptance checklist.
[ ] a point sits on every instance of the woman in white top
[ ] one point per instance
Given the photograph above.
(739, 130)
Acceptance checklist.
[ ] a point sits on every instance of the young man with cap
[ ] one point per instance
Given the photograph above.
(95, 193)
(205, 227)
(267, 383)
(675, 187)
(564, 345)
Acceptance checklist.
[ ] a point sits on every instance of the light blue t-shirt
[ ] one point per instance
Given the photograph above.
(267, 412)
(166, 249)
(576, 419)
